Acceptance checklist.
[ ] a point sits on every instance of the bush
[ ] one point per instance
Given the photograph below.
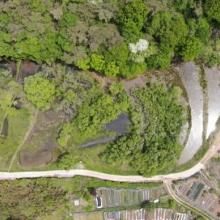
(191, 49)
(97, 62)
(111, 69)
(160, 60)
(83, 64)
(66, 161)
(37, 36)
(211, 59)
(203, 30)
(68, 20)
(93, 115)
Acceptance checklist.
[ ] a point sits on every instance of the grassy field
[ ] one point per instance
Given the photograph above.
(90, 158)
(18, 125)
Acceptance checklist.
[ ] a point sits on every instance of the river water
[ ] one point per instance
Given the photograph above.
(213, 86)
(189, 74)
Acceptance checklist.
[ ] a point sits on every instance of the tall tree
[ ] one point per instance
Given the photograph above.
(40, 91)
(131, 19)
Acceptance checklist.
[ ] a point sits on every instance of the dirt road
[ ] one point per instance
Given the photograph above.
(119, 178)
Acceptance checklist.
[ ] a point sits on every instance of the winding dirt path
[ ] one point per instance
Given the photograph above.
(118, 178)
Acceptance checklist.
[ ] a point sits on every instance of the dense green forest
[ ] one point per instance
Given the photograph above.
(115, 38)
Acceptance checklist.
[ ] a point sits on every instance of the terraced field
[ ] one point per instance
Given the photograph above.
(112, 197)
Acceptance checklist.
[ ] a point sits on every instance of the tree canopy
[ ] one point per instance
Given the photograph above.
(97, 36)
(155, 149)
(212, 8)
(131, 18)
(40, 91)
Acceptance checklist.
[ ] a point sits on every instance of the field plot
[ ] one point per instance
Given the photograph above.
(168, 214)
(213, 83)
(143, 214)
(112, 197)
(139, 214)
(17, 126)
(39, 147)
(88, 216)
(135, 214)
(189, 73)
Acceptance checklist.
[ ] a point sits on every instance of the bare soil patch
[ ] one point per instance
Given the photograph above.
(27, 68)
(35, 158)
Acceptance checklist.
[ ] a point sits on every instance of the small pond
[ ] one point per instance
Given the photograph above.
(120, 126)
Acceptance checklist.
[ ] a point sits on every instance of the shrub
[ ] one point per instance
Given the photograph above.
(191, 49)
(83, 64)
(97, 62)
(111, 69)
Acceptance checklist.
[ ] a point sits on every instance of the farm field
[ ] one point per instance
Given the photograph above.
(18, 125)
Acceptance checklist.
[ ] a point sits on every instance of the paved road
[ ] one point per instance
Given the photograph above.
(119, 178)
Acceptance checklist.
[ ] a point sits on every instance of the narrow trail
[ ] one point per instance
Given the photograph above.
(24, 139)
